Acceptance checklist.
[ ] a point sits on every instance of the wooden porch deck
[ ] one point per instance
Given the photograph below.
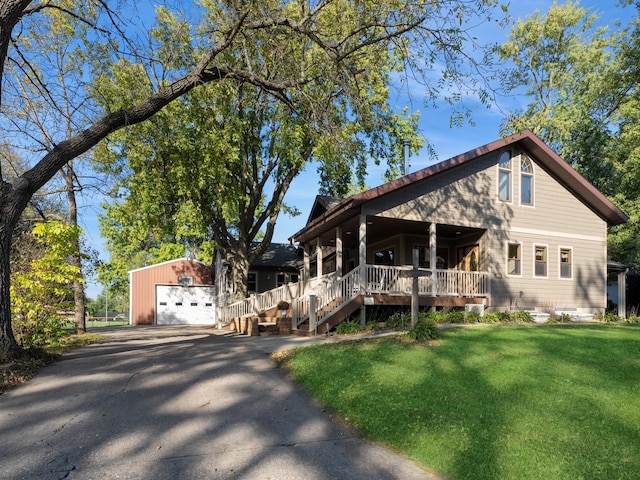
(323, 302)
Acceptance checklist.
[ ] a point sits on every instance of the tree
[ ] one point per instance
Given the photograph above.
(40, 282)
(582, 81)
(324, 39)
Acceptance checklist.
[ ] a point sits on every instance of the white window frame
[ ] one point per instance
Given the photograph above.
(546, 249)
(571, 263)
(510, 171)
(507, 244)
(530, 175)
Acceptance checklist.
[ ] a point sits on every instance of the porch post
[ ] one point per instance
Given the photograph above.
(622, 293)
(339, 252)
(362, 259)
(318, 258)
(362, 252)
(433, 258)
(307, 268)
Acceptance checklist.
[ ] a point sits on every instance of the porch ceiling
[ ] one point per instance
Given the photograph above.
(380, 228)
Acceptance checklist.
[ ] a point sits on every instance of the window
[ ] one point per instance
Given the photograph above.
(384, 257)
(185, 281)
(526, 181)
(280, 279)
(514, 259)
(252, 282)
(565, 263)
(504, 176)
(424, 256)
(540, 261)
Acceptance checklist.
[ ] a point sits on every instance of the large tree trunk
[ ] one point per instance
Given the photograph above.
(12, 204)
(78, 286)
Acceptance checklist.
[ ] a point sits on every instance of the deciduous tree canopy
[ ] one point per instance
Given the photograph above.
(308, 50)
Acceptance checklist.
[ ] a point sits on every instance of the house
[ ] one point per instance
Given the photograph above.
(506, 226)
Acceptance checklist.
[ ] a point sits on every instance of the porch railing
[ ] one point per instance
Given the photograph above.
(257, 303)
(330, 294)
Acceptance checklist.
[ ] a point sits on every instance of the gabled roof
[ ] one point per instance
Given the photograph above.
(543, 155)
(278, 255)
(321, 204)
(168, 262)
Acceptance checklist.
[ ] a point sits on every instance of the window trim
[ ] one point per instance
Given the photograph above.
(529, 175)
(509, 171)
(546, 262)
(560, 263)
(519, 244)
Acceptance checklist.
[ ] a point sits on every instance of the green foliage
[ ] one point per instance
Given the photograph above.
(424, 329)
(42, 289)
(372, 326)
(397, 320)
(522, 316)
(345, 328)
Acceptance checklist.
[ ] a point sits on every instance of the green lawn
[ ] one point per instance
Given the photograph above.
(492, 402)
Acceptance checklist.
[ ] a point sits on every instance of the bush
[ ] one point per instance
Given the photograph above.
(424, 329)
(372, 326)
(473, 317)
(396, 321)
(490, 318)
(522, 316)
(455, 316)
(348, 327)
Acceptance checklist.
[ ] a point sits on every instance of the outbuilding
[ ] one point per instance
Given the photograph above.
(176, 292)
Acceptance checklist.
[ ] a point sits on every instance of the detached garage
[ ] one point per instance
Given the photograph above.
(177, 292)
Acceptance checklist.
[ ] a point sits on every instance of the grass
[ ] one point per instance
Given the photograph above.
(495, 402)
(21, 370)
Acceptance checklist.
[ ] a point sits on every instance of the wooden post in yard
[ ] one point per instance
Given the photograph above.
(415, 300)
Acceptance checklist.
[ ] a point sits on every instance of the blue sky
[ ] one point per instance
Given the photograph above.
(434, 126)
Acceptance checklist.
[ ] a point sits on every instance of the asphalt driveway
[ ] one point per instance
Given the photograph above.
(178, 403)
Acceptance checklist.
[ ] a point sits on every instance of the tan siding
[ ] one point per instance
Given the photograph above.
(143, 282)
(468, 196)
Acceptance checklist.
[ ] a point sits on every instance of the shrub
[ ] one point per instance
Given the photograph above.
(424, 329)
(472, 317)
(372, 326)
(522, 316)
(396, 321)
(348, 327)
(490, 318)
(504, 316)
(455, 316)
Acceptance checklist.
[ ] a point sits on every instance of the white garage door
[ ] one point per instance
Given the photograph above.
(177, 305)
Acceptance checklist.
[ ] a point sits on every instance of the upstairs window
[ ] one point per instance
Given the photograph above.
(504, 176)
(526, 181)
(540, 261)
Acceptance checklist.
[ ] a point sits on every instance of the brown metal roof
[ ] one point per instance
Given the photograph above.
(544, 156)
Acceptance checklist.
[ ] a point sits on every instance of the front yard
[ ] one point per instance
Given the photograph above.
(492, 402)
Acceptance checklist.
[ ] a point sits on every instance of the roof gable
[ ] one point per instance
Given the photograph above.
(568, 177)
(176, 260)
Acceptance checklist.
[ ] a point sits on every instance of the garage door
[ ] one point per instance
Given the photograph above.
(193, 305)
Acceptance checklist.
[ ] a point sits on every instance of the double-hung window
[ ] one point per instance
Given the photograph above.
(566, 261)
(540, 261)
(514, 259)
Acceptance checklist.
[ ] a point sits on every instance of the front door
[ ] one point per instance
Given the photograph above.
(468, 261)
(469, 258)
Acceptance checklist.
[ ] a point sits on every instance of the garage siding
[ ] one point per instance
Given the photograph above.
(143, 281)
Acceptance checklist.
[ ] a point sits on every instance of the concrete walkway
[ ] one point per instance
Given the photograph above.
(179, 403)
